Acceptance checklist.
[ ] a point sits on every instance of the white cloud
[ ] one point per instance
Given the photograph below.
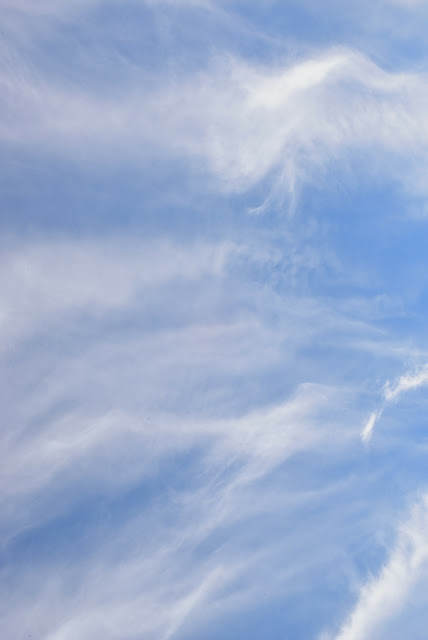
(405, 383)
(92, 393)
(42, 281)
(140, 579)
(384, 596)
(391, 392)
(244, 121)
(104, 412)
(367, 432)
(117, 448)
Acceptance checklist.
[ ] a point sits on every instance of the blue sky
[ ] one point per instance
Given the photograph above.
(214, 358)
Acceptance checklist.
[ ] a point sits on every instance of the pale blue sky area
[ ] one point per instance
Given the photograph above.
(213, 284)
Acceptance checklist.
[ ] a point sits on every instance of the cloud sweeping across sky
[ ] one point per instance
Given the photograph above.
(243, 121)
(213, 302)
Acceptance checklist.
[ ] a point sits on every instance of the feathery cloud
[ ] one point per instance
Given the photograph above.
(385, 595)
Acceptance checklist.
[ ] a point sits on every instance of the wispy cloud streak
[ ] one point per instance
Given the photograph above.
(391, 393)
(243, 121)
(384, 596)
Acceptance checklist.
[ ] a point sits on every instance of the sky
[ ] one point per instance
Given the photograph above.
(213, 345)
